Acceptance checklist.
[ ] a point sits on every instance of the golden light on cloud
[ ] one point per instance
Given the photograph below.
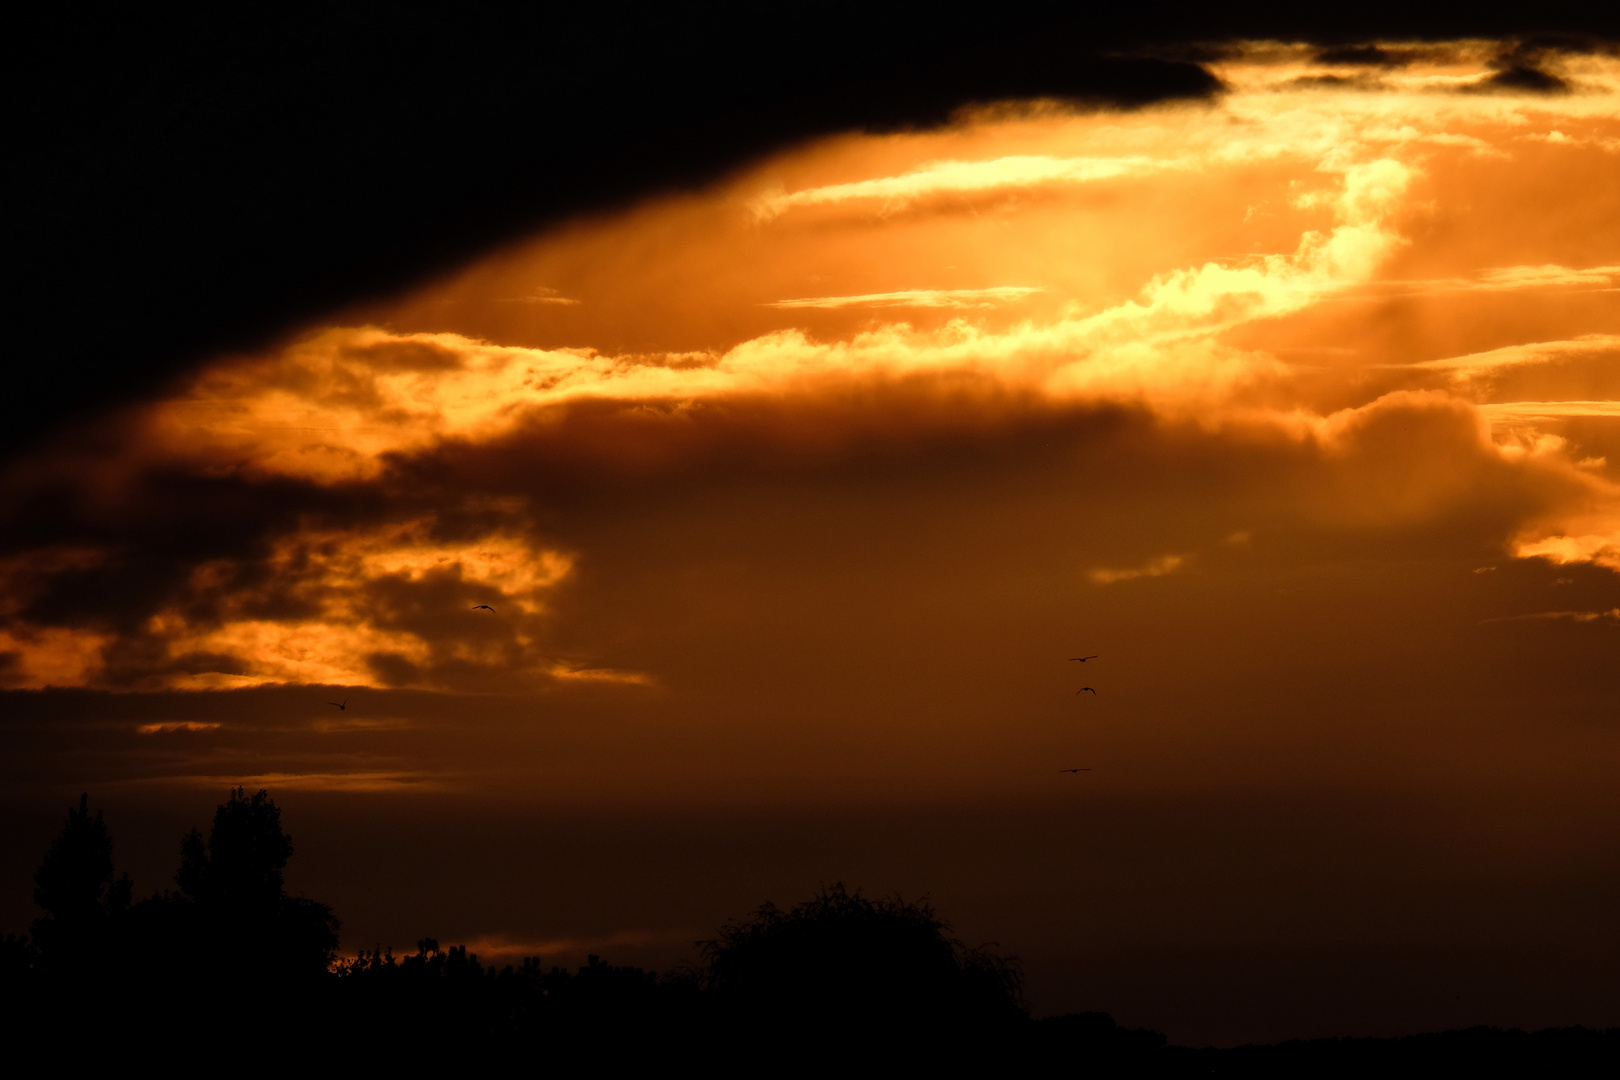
(335, 406)
(51, 655)
(359, 782)
(340, 640)
(178, 725)
(947, 177)
(1164, 564)
(1601, 548)
(1356, 269)
(332, 607)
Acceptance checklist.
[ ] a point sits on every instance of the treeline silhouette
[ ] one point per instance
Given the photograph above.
(230, 969)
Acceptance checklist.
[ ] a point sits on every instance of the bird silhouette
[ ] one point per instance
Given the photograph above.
(1083, 659)
(344, 704)
(1074, 770)
(1086, 690)
(482, 607)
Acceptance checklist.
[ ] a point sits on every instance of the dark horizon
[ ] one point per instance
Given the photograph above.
(853, 973)
(396, 870)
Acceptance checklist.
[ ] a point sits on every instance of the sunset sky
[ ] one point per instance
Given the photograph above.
(793, 495)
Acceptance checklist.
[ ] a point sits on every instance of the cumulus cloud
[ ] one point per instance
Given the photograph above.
(32, 657)
(394, 604)
(1600, 548)
(346, 608)
(338, 405)
(1297, 312)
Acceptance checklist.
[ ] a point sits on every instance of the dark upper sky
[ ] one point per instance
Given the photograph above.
(193, 181)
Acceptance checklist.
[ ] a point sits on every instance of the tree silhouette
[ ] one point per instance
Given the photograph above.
(842, 968)
(241, 865)
(79, 894)
(231, 968)
(233, 901)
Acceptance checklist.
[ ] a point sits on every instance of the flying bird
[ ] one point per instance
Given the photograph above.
(1074, 770)
(1083, 659)
(344, 704)
(1086, 690)
(482, 607)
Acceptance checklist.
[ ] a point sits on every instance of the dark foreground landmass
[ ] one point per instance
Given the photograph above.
(230, 970)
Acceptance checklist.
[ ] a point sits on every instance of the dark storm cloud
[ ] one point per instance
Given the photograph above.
(1359, 81)
(178, 171)
(1522, 77)
(1362, 56)
(1531, 64)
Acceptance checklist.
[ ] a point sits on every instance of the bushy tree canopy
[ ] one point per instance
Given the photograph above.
(841, 962)
(241, 864)
(76, 889)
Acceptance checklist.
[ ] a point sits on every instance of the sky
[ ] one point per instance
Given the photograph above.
(699, 552)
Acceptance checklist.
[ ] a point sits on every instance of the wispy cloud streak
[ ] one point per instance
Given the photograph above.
(920, 298)
(964, 177)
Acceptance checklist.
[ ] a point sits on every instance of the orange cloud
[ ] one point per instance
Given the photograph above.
(43, 656)
(1351, 276)
(315, 781)
(350, 634)
(1164, 564)
(335, 406)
